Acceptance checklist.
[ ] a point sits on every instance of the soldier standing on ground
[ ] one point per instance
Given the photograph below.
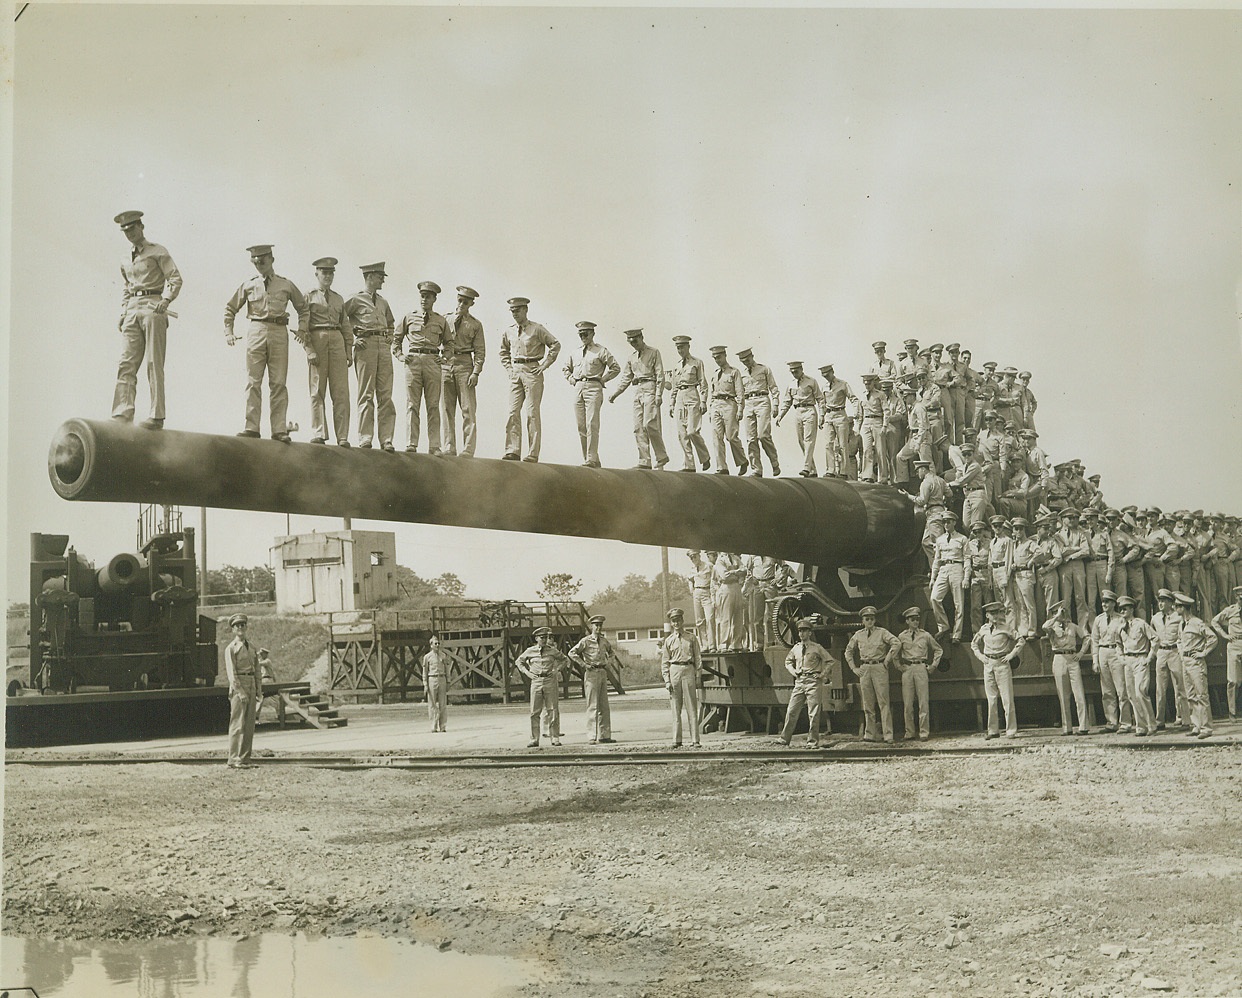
(807, 398)
(424, 373)
(332, 338)
(689, 405)
(915, 654)
(588, 371)
(527, 349)
(680, 662)
(726, 392)
(809, 663)
(372, 321)
(1138, 649)
(1167, 624)
(152, 282)
(594, 653)
(867, 656)
(1109, 665)
(267, 297)
(1228, 624)
(464, 353)
(998, 649)
(241, 667)
(542, 663)
(1194, 644)
(761, 395)
(645, 371)
(436, 665)
(1069, 643)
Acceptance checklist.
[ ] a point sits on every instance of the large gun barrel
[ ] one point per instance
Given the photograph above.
(817, 521)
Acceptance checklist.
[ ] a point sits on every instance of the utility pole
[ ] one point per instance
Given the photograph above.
(664, 581)
(202, 558)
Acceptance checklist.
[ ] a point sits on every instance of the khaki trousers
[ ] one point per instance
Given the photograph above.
(1113, 688)
(525, 397)
(599, 717)
(689, 429)
(914, 695)
(806, 426)
(423, 380)
(545, 701)
(998, 684)
(1169, 671)
(373, 369)
(243, 708)
(456, 390)
(1138, 686)
(873, 686)
(144, 332)
(805, 694)
(1195, 670)
(757, 431)
(588, 400)
(437, 702)
(329, 376)
(723, 414)
(1067, 675)
(684, 697)
(267, 349)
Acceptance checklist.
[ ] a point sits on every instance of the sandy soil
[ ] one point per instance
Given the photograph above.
(1075, 870)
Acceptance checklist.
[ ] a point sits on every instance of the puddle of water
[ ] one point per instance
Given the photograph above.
(263, 966)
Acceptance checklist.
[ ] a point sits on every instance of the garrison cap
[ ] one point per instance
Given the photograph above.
(715, 350)
(374, 268)
(954, 348)
(1108, 594)
(431, 286)
(238, 618)
(993, 607)
(1124, 602)
(1164, 594)
(868, 611)
(325, 263)
(631, 333)
(878, 345)
(1054, 607)
(465, 292)
(584, 325)
(746, 352)
(912, 611)
(597, 619)
(518, 302)
(127, 218)
(259, 249)
(681, 339)
(676, 614)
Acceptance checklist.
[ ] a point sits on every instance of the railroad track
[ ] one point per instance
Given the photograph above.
(636, 757)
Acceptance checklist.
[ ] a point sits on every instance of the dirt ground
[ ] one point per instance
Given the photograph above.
(1080, 870)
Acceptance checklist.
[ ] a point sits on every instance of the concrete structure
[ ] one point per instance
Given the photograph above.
(335, 570)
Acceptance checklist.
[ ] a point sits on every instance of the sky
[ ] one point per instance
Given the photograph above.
(1055, 189)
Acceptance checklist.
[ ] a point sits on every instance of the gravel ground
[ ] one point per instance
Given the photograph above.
(1053, 871)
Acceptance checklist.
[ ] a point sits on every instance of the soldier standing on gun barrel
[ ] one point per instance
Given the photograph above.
(464, 353)
(589, 371)
(424, 374)
(542, 663)
(332, 337)
(645, 371)
(689, 405)
(724, 387)
(807, 397)
(527, 349)
(761, 396)
(152, 282)
(372, 321)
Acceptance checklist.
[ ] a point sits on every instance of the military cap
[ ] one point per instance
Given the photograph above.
(681, 339)
(825, 367)
(596, 619)
(1093, 478)
(902, 354)
(936, 347)
(887, 381)
(518, 302)
(971, 432)
(264, 653)
(997, 520)
(878, 345)
(1141, 514)
(715, 350)
(806, 624)
(868, 611)
(1124, 602)
(1091, 513)
(1181, 599)
(908, 389)
(1068, 512)
(979, 525)
(1167, 518)
(325, 263)
(925, 352)
(990, 365)
(1019, 521)
(1108, 594)
(1237, 590)
(1112, 514)
(1054, 607)
(631, 333)
(238, 618)
(1028, 432)
(993, 607)
(948, 514)
(912, 611)
(127, 218)
(920, 463)
(967, 448)
(866, 377)
(1010, 425)
(374, 268)
(1128, 509)
(1129, 521)
(431, 286)
(794, 363)
(584, 325)
(912, 342)
(954, 348)
(745, 352)
(465, 292)
(542, 631)
(1164, 594)
(1025, 375)
(1197, 514)
(1009, 370)
(676, 614)
(259, 249)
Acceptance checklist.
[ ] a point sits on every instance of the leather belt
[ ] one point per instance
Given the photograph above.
(729, 398)
(999, 658)
(997, 564)
(949, 561)
(526, 360)
(1168, 647)
(874, 661)
(835, 408)
(1100, 559)
(688, 662)
(315, 329)
(1137, 653)
(282, 320)
(804, 405)
(422, 350)
(756, 395)
(1019, 568)
(1106, 646)
(599, 380)
(921, 661)
(643, 381)
(463, 353)
(363, 334)
(147, 294)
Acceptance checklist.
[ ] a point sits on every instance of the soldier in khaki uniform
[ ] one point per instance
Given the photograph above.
(589, 370)
(977, 578)
(806, 398)
(1194, 644)
(527, 349)
(724, 387)
(594, 654)
(1138, 650)
(427, 332)
(1167, 624)
(436, 666)
(372, 321)
(915, 654)
(1228, 624)
(152, 282)
(1069, 643)
(689, 405)
(998, 650)
(332, 338)
(645, 371)
(867, 655)
(680, 663)
(543, 663)
(464, 353)
(837, 396)
(266, 298)
(761, 395)
(1109, 665)
(948, 573)
(809, 663)
(241, 668)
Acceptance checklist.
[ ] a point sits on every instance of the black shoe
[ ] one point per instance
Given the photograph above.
(533, 744)
(804, 473)
(152, 424)
(511, 457)
(284, 438)
(343, 443)
(124, 419)
(776, 472)
(743, 468)
(707, 466)
(530, 460)
(411, 450)
(366, 446)
(642, 467)
(692, 470)
(722, 471)
(252, 434)
(317, 440)
(607, 741)
(388, 447)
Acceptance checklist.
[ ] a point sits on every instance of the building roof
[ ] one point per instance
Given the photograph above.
(628, 616)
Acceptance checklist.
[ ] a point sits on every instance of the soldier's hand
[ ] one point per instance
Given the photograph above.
(162, 307)
(312, 358)
(230, 339)
(472, 380)
(396, 352)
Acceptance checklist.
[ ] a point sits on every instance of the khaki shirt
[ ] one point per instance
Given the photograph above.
(150, 268)
(917, 647)
(465, 340)
(370, 315)
(425, 331)
(537, 663)
(527, 342)
(869, 648)
(267, 299)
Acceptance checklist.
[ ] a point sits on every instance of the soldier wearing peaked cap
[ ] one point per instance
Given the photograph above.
(464, 353)
(1069, 643)
(373, 323)
(595, 655)
(589, 370)
(915, 654)
(543, 663)
(947, 574)
(998, 650)
(427, 332)
(527, 349)
(241, 667)
(645, 371)
(1109, 665)
(868, 653)
(977, 578)
(1195, 642)
(883, 366)
(837, 422)
(266, 298)
(436, 667)
(761, 396)
(1228, 624)
(806, 398)
(1138, 651)
(152, 282)
(680, 663)
(810, 664)
(1028, 401)
(331, 336)
(724, 388)
(1168, 625)
(1075, 550)
(689, 405)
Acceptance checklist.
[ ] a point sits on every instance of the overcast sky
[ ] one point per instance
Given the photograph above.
(1058, 190)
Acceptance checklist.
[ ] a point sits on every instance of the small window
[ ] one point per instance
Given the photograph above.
(654, 633)
(377, 558)
(627, 635)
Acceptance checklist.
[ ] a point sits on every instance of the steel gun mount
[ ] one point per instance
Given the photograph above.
(858, 543)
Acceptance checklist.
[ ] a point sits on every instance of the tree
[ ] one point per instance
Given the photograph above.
(234, 579)
(448, 584)
(559, 587)
(639, 589)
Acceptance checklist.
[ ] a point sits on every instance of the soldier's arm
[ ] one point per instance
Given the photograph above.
(506, 360)
(554, 350)
(302, 335)
(478, 350)
(701, 387)
(231, 308)
(172, 279)
(658, 373)
(1219, 619)
(627, 378)
(937, 655)
(611, 368)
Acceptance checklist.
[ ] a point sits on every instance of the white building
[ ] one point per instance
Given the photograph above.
(334, 570)
(638, 627)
